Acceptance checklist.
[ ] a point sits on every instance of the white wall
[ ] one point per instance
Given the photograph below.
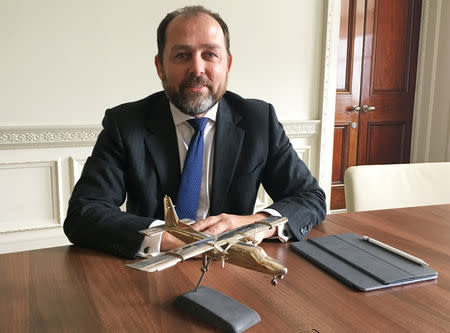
(431, 128)
(63, 62)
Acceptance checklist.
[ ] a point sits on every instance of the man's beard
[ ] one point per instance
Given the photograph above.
(192, 103)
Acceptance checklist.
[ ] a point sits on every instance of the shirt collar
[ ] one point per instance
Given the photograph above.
(180, 117)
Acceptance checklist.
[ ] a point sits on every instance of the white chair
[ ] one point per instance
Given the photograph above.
(370, 187)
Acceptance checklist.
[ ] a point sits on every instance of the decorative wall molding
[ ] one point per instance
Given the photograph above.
(54, 198)
(328, 88)
(43, 137)
(296, 129)
(305, 154)
(78, 136)
(76, 166)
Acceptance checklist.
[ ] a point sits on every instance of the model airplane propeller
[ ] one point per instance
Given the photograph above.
(236, 246)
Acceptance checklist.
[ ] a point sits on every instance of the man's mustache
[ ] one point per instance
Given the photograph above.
(193, 80)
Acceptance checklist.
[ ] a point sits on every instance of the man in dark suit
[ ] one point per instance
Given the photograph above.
(139, 154)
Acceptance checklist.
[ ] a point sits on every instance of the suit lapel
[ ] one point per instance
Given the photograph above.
(163, 147)
(227, 148)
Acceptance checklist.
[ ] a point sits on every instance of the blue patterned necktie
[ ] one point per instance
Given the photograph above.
(191, 177)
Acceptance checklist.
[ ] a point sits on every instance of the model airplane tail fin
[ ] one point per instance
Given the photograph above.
(170, 214)
(179, 228)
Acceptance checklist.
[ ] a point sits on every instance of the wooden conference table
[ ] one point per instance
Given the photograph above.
(70, 289)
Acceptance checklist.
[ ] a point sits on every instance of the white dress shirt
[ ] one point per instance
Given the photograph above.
(184, 135)
(151, 245)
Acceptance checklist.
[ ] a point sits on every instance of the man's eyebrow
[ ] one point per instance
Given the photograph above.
(180, 47)
(189, 47)
(210, 46)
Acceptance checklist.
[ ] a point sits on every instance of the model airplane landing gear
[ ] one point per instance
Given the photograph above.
(275, 279)
(204, 269)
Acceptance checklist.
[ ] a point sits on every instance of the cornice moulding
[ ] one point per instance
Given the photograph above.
(75, 136)
(301, 129)
(44, 137)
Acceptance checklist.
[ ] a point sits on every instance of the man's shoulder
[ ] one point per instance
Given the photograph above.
(234, 99)
(145, 104)
(136, 115)
(244, 110)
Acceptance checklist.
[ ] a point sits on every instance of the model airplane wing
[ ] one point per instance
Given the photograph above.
(249, 230)
(172, 257)
(157, 263)
(152, 231)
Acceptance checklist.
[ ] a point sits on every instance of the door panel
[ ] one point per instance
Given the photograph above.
(390, 51)
(380, 139)
(388, 81)
(341, 138)
(340, 163)
(376, 73)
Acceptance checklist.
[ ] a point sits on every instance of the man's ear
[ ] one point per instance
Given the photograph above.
(159, 67)
(230, 60)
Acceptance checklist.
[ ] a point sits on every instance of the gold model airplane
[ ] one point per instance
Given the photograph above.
(235, 246)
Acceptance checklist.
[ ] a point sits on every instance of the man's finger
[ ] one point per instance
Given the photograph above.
(205, 223)
(217, 228)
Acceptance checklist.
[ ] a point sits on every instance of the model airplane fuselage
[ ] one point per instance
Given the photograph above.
(235, 246)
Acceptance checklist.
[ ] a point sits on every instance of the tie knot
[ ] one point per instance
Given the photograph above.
(198, 124)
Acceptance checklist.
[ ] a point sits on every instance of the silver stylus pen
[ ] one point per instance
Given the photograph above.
(396, 251)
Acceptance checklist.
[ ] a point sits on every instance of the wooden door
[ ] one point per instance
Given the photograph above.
(351, 37)
(375, 86)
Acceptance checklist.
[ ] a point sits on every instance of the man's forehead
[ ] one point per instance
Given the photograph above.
(187, 26)
(183, 19)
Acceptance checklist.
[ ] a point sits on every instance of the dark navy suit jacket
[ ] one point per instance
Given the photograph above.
(136, 157)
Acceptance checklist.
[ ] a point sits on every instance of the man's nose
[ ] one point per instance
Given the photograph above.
(198, 65)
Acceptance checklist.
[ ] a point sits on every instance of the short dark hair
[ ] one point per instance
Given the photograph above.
(189, 11)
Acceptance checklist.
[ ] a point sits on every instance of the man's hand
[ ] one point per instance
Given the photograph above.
(216, 225)
(224, 222)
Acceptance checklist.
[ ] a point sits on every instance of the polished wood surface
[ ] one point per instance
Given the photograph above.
(70, 289)
(377, 67)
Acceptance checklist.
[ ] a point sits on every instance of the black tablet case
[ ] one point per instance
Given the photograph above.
(361, 264)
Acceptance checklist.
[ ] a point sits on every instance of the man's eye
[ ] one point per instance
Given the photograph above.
(210, 55)
(182, 55)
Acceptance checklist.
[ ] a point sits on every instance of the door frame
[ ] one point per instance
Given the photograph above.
(424, 95)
